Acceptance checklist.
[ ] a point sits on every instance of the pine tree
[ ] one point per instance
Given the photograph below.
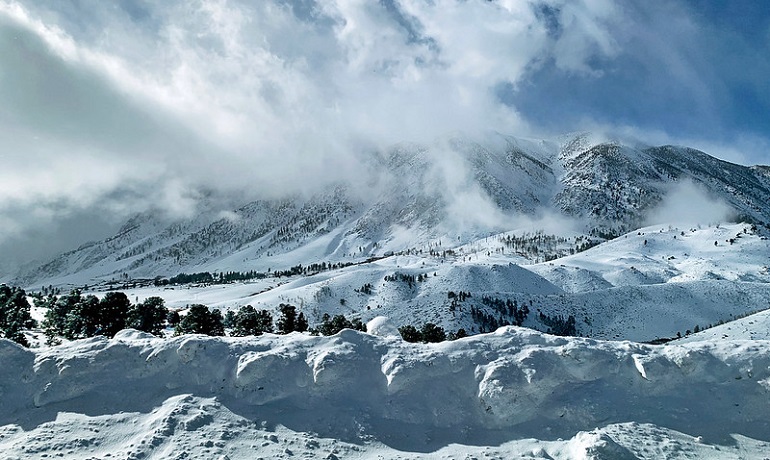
(288, 321)
(83, 319)
(113, 313)
(301, 325)
(410, 333)
(55, 323)
(14, 314)
(199, 320)
(249, 321)
(229, 320)
(331, 326)
(149, 316)
(173, 318)
(432, 333)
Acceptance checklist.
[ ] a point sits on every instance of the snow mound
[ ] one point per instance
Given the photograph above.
(515, 389)
(510, 278)
(382, 326)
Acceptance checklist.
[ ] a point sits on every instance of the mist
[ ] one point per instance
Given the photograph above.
(686, 203)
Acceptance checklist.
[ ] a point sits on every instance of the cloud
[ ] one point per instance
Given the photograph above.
(686, 203)
(134, 105)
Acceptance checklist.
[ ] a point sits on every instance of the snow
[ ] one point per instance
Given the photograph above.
(752, 327)
(622, 289)
(382, 326)
(512, 393)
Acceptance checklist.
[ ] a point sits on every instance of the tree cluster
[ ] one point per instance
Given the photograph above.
(14, 314)
(509, 309)
(74, 316)
(332, 325)
(200, 320)
(290, 321)
(233, 276)
(461, 296)
(365, 289)
(506, 313)
(429, 333)
(558, 325)
(406, 278)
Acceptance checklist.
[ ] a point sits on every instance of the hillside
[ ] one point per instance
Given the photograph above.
(354, 395)
(650, 284)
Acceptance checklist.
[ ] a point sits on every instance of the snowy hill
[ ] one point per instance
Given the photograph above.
(512, 394)
(752, 327)
(416, 197)
(653, 283)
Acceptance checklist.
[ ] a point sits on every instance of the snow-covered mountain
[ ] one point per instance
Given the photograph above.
(449, 193)
(603, 240)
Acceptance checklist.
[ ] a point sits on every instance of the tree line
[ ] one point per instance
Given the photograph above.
(76, 316)
(234, 276)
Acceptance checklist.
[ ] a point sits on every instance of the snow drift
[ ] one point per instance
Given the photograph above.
(366, 390)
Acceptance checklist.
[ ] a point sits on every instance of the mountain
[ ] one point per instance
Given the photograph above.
(615, 243)
(449, 193)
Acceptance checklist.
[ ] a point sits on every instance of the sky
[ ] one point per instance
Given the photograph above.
(109, 108)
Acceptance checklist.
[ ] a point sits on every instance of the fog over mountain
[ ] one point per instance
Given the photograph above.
(112, 108)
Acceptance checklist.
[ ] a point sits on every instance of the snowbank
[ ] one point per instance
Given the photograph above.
(509, 386)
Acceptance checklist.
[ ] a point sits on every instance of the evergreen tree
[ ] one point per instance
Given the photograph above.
(229, 320)
(457, 335)
(199, 320)
(432, 333)
(149, 316)
(410, 333)
(113, 313)
(14, 314)
(357, 325)
(172, 318)
(249, 321)
(331, 326)
(301, 325)
(288, 320)
(217, 323)
(83, 319)
(55, 323)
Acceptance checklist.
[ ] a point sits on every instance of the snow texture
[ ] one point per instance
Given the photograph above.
(512, 393)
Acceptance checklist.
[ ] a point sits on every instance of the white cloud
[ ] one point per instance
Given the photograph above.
(151, 101)
(686, 203)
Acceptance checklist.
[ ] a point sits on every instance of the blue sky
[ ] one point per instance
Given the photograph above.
(121, 106)
(695, 71)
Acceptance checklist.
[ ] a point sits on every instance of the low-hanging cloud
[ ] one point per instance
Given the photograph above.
(118, 107)
(131, 106)
(686, 203)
